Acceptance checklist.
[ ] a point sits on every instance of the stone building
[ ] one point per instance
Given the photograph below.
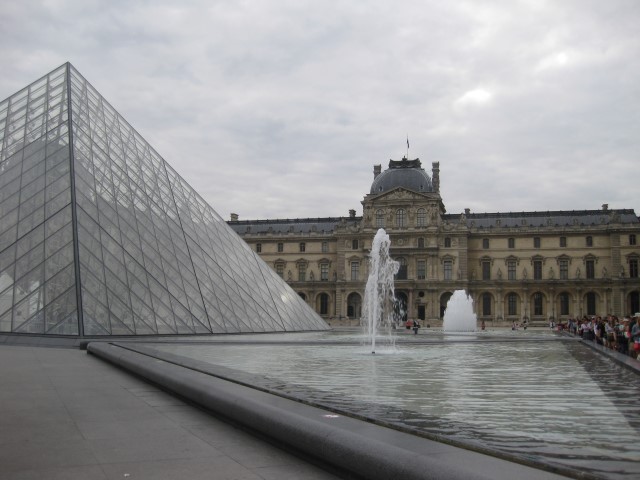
(534, 266)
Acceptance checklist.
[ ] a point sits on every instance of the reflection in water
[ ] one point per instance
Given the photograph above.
(538, 400)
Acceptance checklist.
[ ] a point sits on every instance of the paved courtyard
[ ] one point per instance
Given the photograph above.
(69, 415)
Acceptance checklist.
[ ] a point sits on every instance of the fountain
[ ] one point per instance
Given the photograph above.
(379, 298)
(459, 316)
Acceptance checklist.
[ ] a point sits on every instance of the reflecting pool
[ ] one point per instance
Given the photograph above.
(553, 402)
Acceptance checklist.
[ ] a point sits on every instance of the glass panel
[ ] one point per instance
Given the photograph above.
(33, 220)
(28, 242)
(25, 310)
(5, 319)
(9, 189)
(61, 310)
(58, 260)
(9, 220)
(59, 283)
(8, 237)
(6, 299)
(28, 261)
(59, 220)
(95, 316)
(93, 285)
(10, 173)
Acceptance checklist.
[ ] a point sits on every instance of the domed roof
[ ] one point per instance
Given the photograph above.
(403, 173)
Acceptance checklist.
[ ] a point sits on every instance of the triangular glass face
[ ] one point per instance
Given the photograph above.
(84, 199)
(37, 277)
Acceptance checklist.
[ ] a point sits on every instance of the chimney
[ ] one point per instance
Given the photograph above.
(376, 170)
(605, 207)
(352, 213)
(435, 170)
(467, 211)
(234, 217)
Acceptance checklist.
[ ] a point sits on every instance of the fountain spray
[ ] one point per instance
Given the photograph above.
(379, 295)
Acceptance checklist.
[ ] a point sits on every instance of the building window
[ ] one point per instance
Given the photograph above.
(563, 241)
(447, 242)
(564, 303)
(259, 247)
(402, 272)
(448, 270)
(591, 269)
(421, 218)
(354, 244)
(421, 270)
(485, 243)
(355, 271)
(633, 268)
(537, 269)
(591, 303)
(538, 304)
(302, 272)
(486, 270)
(324, 304)
(421, 242)
(512, 243)
(379, 218)
(511, 269)
(280, 247)
(632, 239)
(486, 304)
(512, 304)
(536, 242)
(324, 272)
(589, 241)
(401, 218)
(564, 269)
(325, 247)
(280, 269)
(303, 246)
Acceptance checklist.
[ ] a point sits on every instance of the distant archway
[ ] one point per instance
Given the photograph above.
(354, 305)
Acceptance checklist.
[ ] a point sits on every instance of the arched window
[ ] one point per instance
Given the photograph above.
(538, 304)
(486, 304)
(634, 302)
(324, 271)
(448, 269)
(302, 272)
(591, 303)
(512, 304)
(421, 218)
(354, 305)
(402, 272)
(380, 218)
(633, 267)
(564, 303)
(401, 218)
(323, 304)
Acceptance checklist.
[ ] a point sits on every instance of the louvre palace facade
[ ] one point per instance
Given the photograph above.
(533, 266)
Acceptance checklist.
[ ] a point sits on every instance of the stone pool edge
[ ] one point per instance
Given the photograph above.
(360, 448)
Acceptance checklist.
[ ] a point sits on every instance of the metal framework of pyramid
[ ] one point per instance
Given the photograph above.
(100, 236)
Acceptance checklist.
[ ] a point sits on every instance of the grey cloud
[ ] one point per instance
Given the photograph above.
(280, 109)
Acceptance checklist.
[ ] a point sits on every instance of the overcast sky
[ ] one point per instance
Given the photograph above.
(280, 108)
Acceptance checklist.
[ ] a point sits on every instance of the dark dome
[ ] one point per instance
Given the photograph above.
(404, 173)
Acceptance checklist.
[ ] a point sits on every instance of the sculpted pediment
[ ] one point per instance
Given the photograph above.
(401, 194)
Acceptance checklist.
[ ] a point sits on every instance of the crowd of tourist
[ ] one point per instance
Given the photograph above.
(621, 335)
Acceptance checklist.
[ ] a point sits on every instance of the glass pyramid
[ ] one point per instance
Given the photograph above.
(100, 236)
